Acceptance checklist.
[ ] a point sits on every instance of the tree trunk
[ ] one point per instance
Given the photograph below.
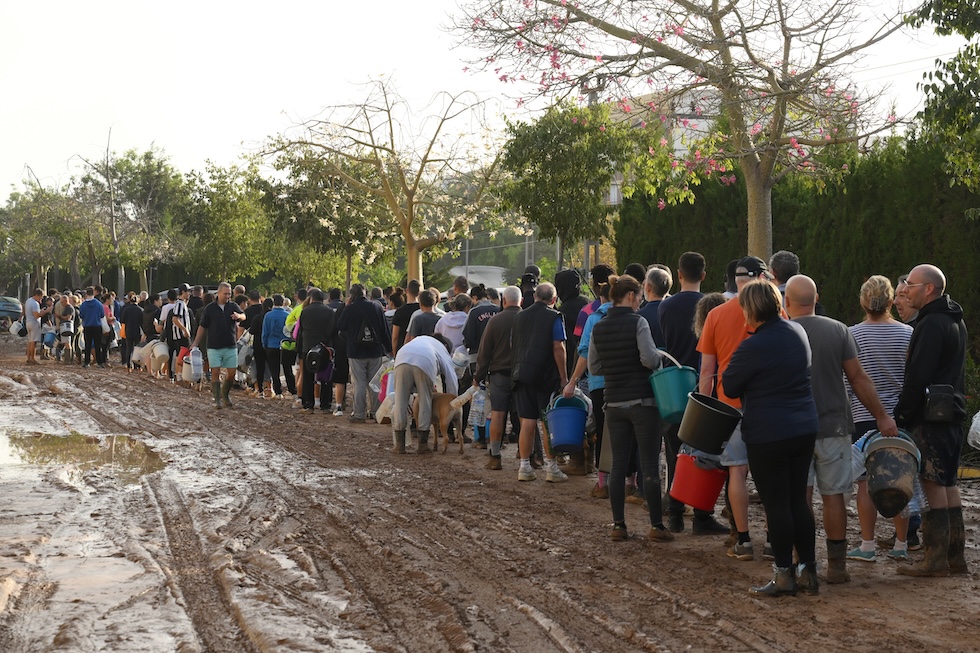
(120, 280)
(560, 253)
(144, 285)
(758, 190)
(76, 275)
(350, 270)
(414, 257)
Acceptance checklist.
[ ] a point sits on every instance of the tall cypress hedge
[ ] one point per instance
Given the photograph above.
(895, 208)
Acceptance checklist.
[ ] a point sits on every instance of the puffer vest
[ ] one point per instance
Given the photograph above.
(614, 338)
(532, 358)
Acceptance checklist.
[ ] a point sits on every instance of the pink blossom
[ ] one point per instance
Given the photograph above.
(598, 58)
(679, 30)
(698, 111)
(574, 120)
(602, 128)
(661, 204)
(643, 124)
(756, 128)
(845, 167)
(892, 118)
(663, 142)
(651, 151)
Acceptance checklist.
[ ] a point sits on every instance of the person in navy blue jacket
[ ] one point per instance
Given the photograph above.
(770, 373)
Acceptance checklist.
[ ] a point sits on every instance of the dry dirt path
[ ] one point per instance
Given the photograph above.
(260, 529)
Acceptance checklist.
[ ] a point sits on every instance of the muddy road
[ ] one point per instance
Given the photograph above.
(134, 517)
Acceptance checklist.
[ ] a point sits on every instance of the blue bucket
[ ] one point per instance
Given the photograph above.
(567, 427)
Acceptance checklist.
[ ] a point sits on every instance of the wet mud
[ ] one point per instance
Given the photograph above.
(136, 518)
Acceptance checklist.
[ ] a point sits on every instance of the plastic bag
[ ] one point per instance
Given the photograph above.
(386, 367)
(973, 437)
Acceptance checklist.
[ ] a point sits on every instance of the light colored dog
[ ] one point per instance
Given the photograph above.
(442, 416)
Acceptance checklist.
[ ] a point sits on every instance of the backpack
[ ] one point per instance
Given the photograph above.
(365, 335)
(319, 361)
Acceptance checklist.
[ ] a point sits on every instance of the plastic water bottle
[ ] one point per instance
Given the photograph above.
(477, 406)
(197, 364)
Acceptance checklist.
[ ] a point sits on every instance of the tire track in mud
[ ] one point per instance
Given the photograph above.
(31, 599)
(196, 579)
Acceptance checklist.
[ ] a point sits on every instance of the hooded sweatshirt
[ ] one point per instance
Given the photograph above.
(451, 325)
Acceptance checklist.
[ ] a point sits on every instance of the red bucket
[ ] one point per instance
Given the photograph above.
(695, 486)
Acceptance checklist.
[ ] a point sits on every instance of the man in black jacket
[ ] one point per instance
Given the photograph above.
(537, 371)
(934, 374)
(317, 324)
(368, 340)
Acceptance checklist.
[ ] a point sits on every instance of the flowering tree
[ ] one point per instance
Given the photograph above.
(760, 83)
(434, 184)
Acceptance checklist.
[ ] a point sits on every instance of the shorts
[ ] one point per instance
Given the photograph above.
(859, 464)
(498, 387)
(530, 399)
(940, 446)
(33, 332)
(831, 466)
(735, 453)
(226, 358)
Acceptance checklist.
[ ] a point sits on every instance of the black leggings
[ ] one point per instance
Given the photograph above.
(277, 361)
(635, 427)
(780, 472)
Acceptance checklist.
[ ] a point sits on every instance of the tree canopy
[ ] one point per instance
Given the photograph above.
(772, 73)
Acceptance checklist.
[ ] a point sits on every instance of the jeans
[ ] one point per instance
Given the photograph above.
(640, 425)
(362, 371)
(275, 358)
(93, 342)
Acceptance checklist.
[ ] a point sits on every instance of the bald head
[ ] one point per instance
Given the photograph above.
(801, 295)
(924, 284)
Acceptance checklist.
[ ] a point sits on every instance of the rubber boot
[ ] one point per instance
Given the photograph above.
(216, 393)
(423, 441)
(837, 562)
(399, 442)
(226, 392)
(806, 579)
(783, 583)
(957, 542)
(576, 465)
(936, 543)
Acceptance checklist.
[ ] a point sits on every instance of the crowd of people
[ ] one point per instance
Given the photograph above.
(812, 391)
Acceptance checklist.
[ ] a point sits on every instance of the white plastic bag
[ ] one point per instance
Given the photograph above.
(973, 437)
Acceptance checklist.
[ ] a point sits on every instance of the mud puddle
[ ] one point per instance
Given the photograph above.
(119, 456)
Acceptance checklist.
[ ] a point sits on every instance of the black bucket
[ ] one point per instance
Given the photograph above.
(893, 464)
(707, 423)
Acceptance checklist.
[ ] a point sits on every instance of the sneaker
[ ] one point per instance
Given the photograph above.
(767, 553)
(895, 554)
(858, 554)
(741, 551)
(707, 525)
(555, 475)
(526, 474)
(494, 463)
(659, 534)
(355, 420)
(619, 533)
(338, 413)
(675, 523)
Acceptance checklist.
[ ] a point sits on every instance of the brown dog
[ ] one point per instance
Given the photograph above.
(442, 416)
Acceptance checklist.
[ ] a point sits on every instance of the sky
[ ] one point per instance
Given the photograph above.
(212, 79)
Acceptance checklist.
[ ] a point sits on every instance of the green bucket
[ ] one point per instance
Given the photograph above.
(671, 386)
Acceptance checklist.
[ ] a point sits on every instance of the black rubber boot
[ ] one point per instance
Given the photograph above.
(399, 446)
(216, 393)
(935, 541)
(806, 579)
(957, 542)
(423, 441)
(837, 563)
(783, 583)
(226, 392)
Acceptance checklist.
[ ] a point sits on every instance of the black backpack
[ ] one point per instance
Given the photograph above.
(319, 357)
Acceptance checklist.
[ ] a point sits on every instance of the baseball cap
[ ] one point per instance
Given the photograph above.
(751, 266)
(183, 287)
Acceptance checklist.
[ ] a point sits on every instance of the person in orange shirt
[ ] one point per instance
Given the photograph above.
(724, 330)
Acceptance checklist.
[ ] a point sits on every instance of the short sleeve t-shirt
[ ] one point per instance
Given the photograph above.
(220, 325)
(676, 317)
(423, 324)
(31, 309)
(724, 330)
(831, 344)
(403, 315)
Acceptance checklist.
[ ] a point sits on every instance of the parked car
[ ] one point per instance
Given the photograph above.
(10, 310)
